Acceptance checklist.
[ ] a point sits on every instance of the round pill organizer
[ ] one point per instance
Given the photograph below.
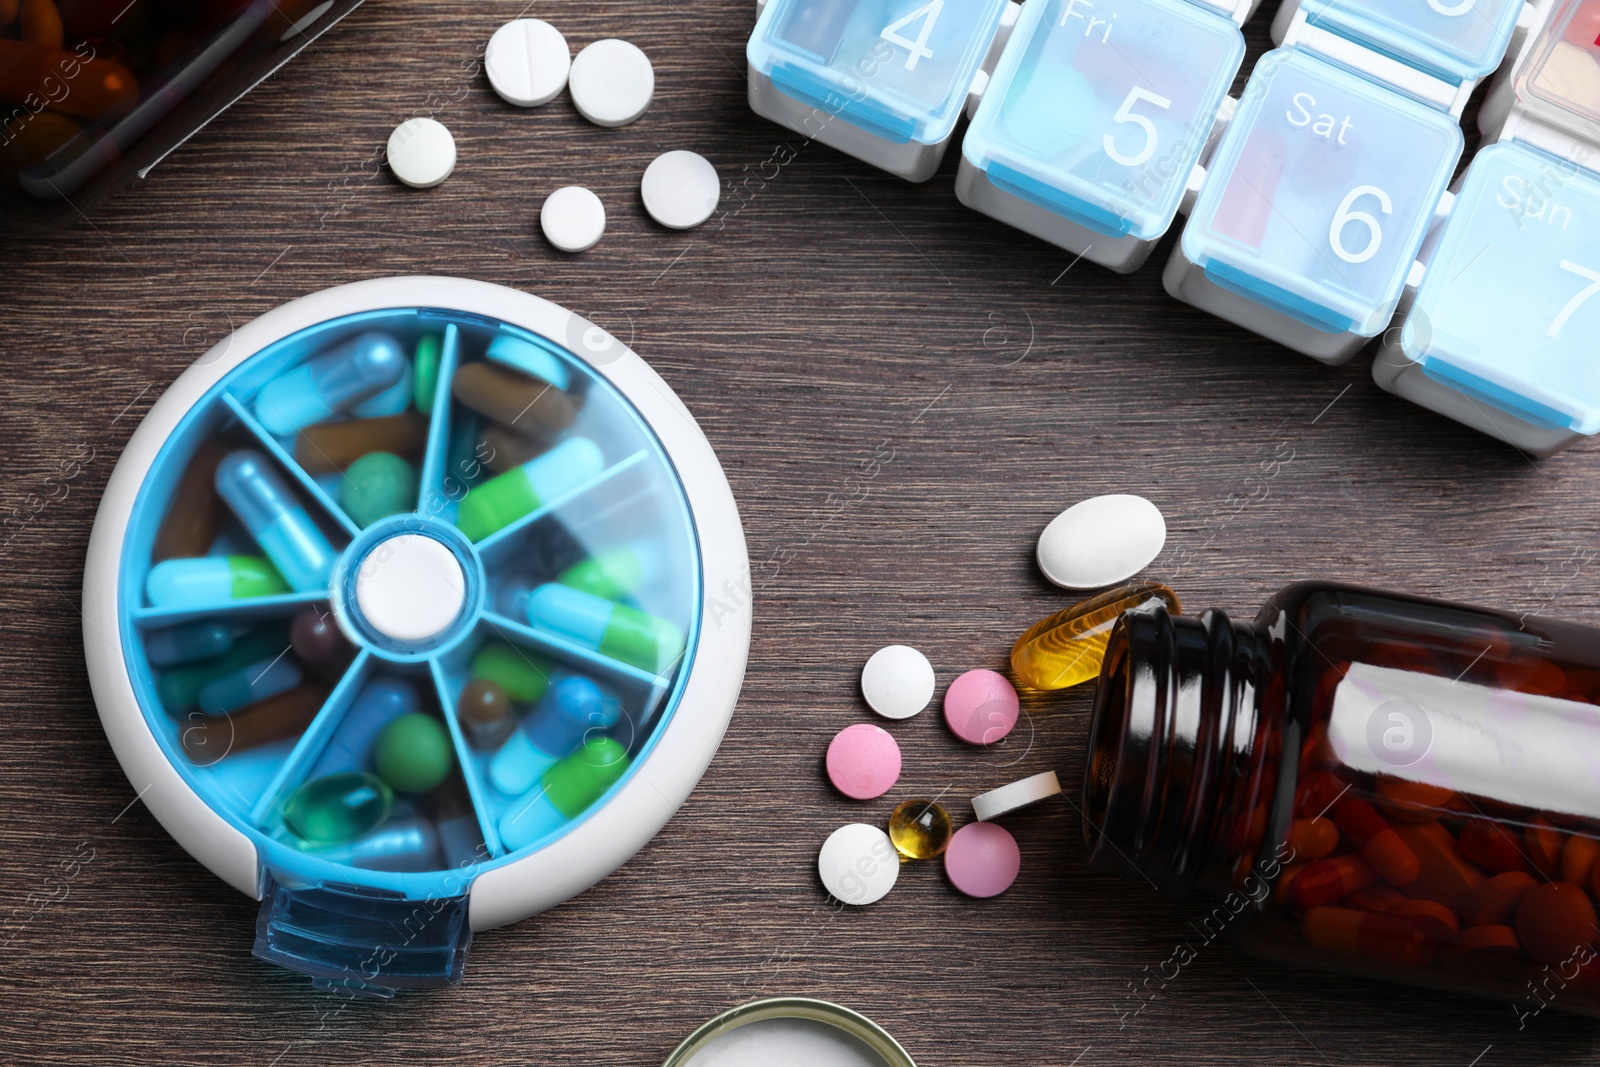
(466, 705)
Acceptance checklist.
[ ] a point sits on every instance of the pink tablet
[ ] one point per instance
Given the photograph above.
(863, 761)
(982, 860)
(980, 707)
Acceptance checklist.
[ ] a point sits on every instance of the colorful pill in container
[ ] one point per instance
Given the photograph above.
(290, 705)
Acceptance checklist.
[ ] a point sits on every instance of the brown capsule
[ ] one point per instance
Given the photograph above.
(209, 738)
(333, 446)
(41, 23)
(485, 713)
(526, 406)
(191, 521)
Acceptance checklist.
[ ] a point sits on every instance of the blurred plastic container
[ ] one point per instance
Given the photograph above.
(94, 93)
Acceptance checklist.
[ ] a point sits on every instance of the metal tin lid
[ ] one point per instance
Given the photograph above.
(790, 1032)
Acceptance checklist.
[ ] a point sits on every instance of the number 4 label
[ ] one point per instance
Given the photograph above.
(929, 14)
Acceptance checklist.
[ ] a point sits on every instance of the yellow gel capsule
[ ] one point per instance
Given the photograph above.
(1067, 648)
(919, 830)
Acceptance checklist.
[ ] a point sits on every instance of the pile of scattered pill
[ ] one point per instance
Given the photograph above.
(528, 64)
(860, 863)
(1099, 542)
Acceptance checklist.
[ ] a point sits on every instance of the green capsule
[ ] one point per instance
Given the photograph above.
(337, 808)
(377, 485)
(505, 498)
(619, 573)
(579, 780)
(426, 378)
(524, 676)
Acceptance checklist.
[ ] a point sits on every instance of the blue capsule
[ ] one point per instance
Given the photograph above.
(554, 729)
(407, 843)
(380, 702)
(210, 581)
(337, 380)
(188, 643)
(272, 515)
(392, 401)
(250, 684)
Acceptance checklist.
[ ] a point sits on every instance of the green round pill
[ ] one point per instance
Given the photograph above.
(377, 485)
(413, 753)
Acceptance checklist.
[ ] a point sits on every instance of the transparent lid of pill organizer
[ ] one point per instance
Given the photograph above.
(1104, 127)
(1561, 80)
(1510, 307)
(1458, 40)
(900, 69)
(561, 530)
(1320, 194)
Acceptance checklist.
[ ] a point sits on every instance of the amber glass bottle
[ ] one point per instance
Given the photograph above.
(1376, 783)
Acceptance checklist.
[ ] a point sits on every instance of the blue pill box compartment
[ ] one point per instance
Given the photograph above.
(1456, 40)
(1148, 78)
(900, 69)
(1320, 194)
(636, 494)
(1509, 310)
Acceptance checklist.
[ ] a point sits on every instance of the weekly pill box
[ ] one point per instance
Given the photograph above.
(1315, 206)
(1096, 115)
(633, 472)
(1458, 41)
(1499, 332)
(881, 80)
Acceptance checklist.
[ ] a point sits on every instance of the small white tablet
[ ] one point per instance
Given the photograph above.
(421, 152)
(1017, 795)
(573, 219)
(527, 62)
(680, 189)
(612, 82)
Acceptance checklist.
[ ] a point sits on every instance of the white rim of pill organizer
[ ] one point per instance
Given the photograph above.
(611, 833)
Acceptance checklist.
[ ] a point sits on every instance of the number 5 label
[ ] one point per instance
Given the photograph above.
(1125, 115)
(929, 14)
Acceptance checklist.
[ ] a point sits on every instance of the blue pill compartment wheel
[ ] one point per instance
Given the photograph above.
(312, 703)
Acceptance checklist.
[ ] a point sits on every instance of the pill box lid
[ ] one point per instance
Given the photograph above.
(1022, 146)
(1559, 82)
(790, 1032)
(899, 69)
(1507, 238)
(1458, 40)
(1407, 152)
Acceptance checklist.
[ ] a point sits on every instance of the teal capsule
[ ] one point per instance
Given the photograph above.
(377, 485)
(211, 581)
(179, 688)
(189, 643)
(338, 808)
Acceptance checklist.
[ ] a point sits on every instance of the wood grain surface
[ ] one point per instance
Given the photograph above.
(833, 316)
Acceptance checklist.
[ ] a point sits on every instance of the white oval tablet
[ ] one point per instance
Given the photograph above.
(527, 61)
(1019, 794)
(1101, 541)
(573, 219)
(858, 864)
(612, 82)
(421, 152)
(680, 189)
(897, 681)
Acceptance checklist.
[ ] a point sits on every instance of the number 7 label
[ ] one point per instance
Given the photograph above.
(1578, 301)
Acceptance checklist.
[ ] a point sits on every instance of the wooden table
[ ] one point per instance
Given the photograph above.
(831, 317)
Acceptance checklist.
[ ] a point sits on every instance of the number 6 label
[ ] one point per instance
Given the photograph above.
(1344, 217)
